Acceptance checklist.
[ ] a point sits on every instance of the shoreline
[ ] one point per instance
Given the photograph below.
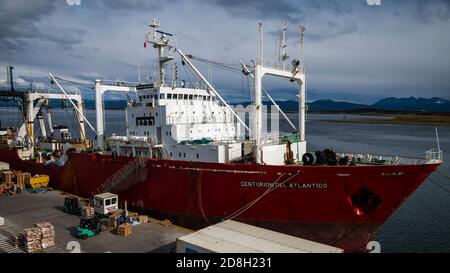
(397, 119)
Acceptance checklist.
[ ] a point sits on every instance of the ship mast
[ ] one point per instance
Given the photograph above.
(283, 55)
(160, 44)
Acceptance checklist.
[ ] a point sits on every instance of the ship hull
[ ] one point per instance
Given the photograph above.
(336, 205)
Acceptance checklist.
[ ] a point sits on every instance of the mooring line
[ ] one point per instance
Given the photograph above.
(275, 185)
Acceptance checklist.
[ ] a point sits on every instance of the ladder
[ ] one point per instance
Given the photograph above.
(162, 151)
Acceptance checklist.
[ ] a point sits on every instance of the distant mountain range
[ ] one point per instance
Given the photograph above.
(387, 104)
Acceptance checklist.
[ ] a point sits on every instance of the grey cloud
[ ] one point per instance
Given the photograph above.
(332, 30)
(431, 11)
(261, 8)
(136, 4)
(320, 32)
(20, 30)
(65, 36)
(291, 10)
(18, 18)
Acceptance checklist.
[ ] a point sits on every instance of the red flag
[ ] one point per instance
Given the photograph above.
(145, 45)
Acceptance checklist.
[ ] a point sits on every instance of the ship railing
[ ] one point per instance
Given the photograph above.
(434, 156)
(119, 83)
(384, 159)
(199, 120)
(191, 85)
(276, 64)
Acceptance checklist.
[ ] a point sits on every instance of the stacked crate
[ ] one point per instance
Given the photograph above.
(32, 240)
(47, 234)
(22, 179)
(18, 240)
(124, 230)
(87, 212)
(142, 219)
(8, 177)
(112, 220)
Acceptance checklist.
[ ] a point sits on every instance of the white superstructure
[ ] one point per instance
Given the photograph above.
(171, 120)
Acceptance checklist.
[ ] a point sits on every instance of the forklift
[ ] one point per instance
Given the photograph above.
(71, 205)
(89, 227)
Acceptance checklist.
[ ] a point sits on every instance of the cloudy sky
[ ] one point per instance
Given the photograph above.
(353, 51)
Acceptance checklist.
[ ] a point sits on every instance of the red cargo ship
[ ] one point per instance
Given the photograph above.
(183, 159)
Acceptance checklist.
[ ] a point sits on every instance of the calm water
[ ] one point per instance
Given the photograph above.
(421, 224)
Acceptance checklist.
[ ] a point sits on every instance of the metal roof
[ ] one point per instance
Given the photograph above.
(232, 236)
(105, 195)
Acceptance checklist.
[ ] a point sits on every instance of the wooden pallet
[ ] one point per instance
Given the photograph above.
(124, 230)
(166, 223)
(87, 212)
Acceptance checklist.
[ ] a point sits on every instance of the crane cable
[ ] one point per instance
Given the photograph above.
(74, 82)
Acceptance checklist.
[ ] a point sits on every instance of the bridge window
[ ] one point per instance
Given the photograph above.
(198, 156)
(195, 97)
(161, 96)
(185, 97)
(184, 155)
(180, 96)
(190, 97)
(169, 96)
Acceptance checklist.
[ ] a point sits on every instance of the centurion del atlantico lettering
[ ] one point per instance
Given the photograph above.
(286, 185)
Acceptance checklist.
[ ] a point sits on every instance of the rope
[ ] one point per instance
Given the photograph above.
(269, 190)
(73, 82)
(224, 66)
(443, 174)
(440, 186)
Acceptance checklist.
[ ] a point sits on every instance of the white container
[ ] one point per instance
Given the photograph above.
(2, 221)
(106, 203)
(235, 237)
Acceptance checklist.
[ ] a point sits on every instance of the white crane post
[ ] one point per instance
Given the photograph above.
(302, 84)
(269, 96)
(258, 99)
(81, 121)
(301, 107)
(42, 125)
(99, 114)
(30, 122)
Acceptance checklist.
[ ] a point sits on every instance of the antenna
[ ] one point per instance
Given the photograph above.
(302, 34)
(261, 44)
(283, 55)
